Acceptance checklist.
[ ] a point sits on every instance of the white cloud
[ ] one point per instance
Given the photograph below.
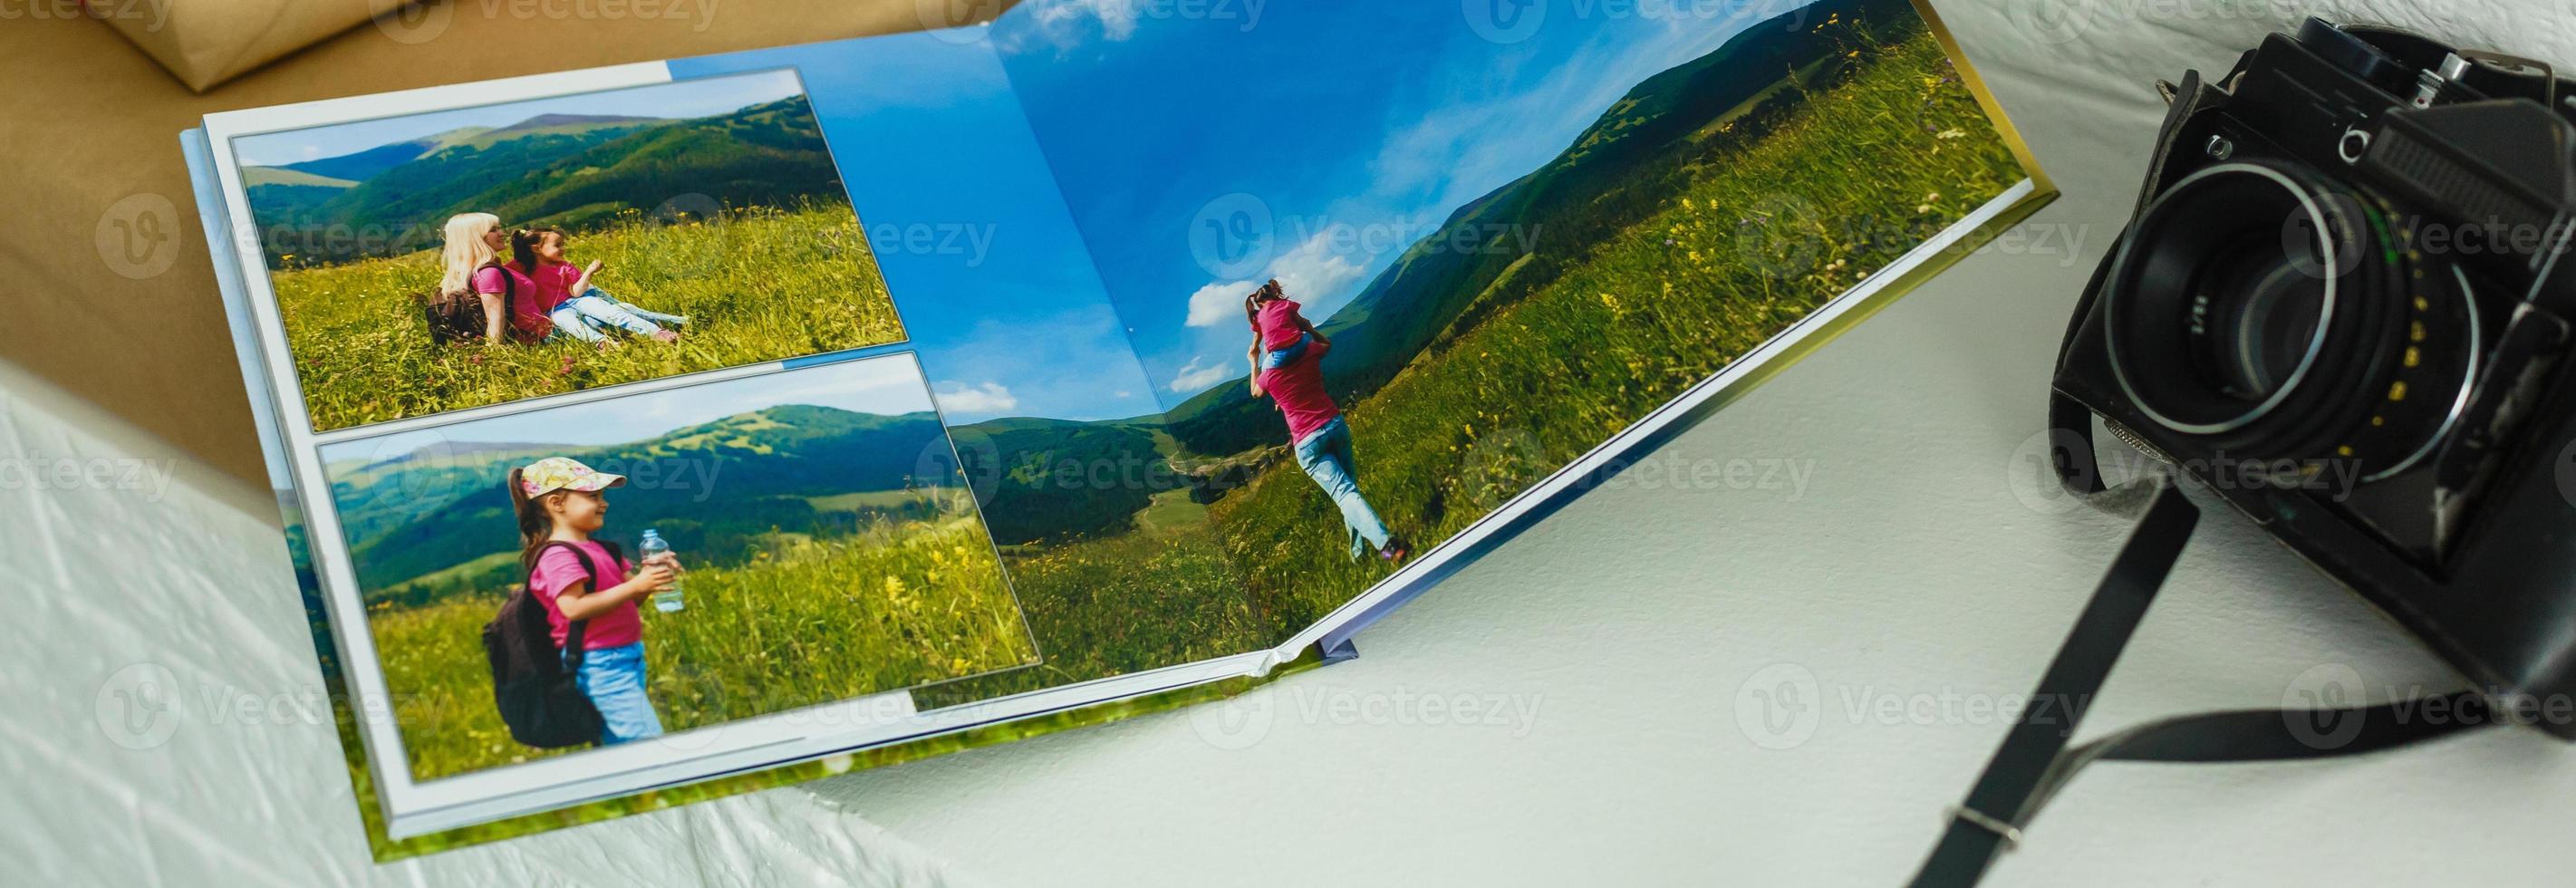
(1311, 273)
(1117, 17)
(1194, 377)
(1216, 303)
(991, 397)
(1315, 275)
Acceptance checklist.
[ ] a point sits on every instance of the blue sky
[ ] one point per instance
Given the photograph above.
(1351, 129)
(984, 262)
(671, 100)
(887, 386)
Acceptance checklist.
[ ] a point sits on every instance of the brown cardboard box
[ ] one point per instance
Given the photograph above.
(105, 285)
(206, 42)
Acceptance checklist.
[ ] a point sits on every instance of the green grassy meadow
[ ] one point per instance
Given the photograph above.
(807, 622)
(757, 284)
(1761, 235)
(1123, 604)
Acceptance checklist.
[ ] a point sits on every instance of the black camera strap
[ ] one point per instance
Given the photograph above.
(2033, 762)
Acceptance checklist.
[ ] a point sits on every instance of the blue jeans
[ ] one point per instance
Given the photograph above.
(614, 679)
(1325, 454)
(580, 317)
(1281, 357)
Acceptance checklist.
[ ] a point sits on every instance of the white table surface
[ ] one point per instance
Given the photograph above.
(1905, 566)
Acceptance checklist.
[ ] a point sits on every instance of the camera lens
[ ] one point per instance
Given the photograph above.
(2249, 346)
(2282, 314)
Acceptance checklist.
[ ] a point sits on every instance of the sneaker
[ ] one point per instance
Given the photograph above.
(1395, 551)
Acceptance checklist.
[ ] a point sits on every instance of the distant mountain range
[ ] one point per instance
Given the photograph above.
(1603, 181)
(711, 489)
(1619, 170)
(571, 170)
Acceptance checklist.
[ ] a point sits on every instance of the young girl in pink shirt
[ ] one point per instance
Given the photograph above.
(589, 589)
(575, 306)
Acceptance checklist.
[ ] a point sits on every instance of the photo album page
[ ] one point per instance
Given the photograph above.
(657, 432)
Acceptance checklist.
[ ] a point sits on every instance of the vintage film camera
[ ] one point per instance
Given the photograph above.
(2343, 306)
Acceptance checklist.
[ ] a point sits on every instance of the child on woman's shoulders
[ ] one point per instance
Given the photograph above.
(1281, 334)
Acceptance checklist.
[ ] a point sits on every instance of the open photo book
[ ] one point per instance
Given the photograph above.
(662, 431)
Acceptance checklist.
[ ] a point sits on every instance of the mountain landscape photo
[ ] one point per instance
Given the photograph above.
(435, 522)
(1681, 229)
(576, 171)
(832, 553)
(715, 201)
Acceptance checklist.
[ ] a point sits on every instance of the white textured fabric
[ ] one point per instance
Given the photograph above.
(1885, 556)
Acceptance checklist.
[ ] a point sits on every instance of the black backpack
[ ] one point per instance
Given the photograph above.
(459, 317)
(532, 683)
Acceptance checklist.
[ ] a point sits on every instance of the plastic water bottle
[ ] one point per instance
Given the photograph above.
(666, 600)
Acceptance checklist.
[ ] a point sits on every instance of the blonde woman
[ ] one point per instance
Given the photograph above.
(473, 265)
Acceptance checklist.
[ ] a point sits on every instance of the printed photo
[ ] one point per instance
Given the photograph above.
(483, 255)
(691, 557)
(1403, 292)
(1055, 422)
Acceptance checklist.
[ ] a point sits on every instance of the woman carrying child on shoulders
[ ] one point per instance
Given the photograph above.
(1287, 355)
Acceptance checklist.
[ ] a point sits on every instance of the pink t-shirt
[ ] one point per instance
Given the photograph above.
(554, 284)
(1277, 320)
(527, 311)
(558, 570)
(1298, 388)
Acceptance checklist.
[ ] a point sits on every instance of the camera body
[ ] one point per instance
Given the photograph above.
(2344, 307)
